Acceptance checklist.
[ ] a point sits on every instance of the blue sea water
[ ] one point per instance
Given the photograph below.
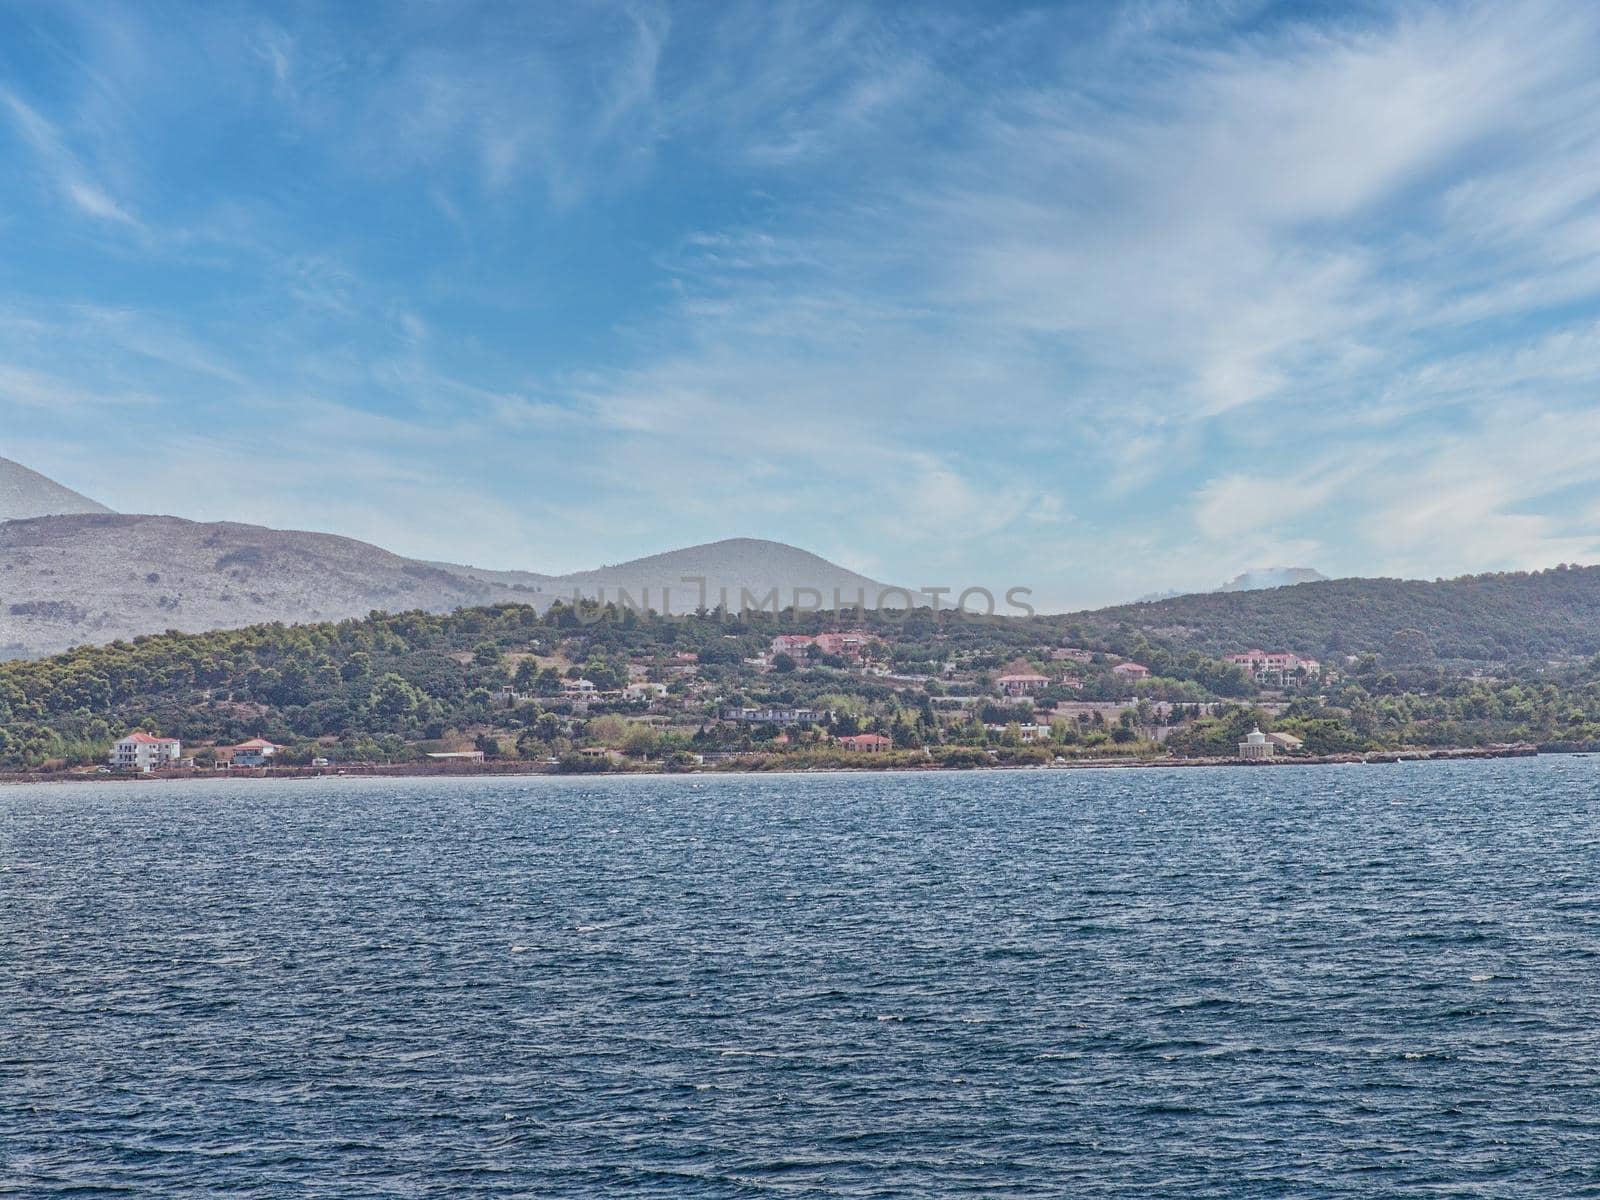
(1335, 981)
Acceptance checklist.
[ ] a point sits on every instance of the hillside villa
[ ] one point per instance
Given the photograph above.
(1022, 684)
(1278, 667)
(1130, 671)
(850, 645)
(772, 716)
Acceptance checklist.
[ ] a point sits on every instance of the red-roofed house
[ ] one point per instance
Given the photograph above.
(1131, 670)
(252, 753)
(1022, 684)
(794, 645)
(141, 751)
(866, 743)
(845, 645)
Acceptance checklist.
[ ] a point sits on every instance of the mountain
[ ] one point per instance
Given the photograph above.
(1516, 616)
(1260, 578)
(739, 573)
(98, 577)
(66, 580)
(25, 493)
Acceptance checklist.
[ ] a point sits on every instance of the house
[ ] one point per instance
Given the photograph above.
(1286, 741)
(645, 691)
(1022, 684)
(772, 716)
(601, 754)
(1276, 667)
(1030, 733)
(865, 743)
(578, 687)
(852, 645)
(795, 645)
(253, 753)
(144, 752)
(1256, 747)
(456, 756)
(1130, 671)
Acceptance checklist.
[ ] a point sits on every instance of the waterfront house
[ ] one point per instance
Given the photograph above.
(456, 756)
(864, 743)
(1029, 733)
(144, 752)
(256, 752)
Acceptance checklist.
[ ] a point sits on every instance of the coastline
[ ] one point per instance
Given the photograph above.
(524, 770)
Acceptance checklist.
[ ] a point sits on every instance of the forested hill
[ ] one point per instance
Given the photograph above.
(1512, 616)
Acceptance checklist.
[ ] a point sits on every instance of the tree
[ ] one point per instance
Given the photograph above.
(396, 699)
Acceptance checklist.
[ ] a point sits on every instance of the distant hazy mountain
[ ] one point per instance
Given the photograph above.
(1254, 580)
(1260, 578)
(67, 580)
(25, 493)
(738, 573)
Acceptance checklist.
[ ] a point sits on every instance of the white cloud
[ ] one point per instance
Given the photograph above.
(67, 173)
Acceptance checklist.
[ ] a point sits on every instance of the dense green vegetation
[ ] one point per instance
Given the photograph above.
(1511, 617)
(391, 686)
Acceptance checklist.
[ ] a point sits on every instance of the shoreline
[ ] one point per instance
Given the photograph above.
(527, 770)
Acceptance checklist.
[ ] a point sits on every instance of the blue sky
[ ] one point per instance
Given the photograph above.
(1097, 299)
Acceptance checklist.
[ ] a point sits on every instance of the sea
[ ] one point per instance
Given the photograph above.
(1374, 981)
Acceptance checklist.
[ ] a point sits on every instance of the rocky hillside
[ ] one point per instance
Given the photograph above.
(731, 568)
(68, 580)
(25, 493)
(94, 578)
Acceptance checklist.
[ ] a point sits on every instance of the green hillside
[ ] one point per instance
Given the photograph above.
(1515, 617)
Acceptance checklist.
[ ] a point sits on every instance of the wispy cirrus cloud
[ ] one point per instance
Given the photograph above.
(1113, 297)
(61, 167)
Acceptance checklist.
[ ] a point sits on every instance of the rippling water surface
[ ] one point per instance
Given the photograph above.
(1361, 981)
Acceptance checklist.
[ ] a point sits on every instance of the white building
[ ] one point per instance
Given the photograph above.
(141, 751)
(1028, 734)
(1277, 667)
(1256, 746)
(1022, 684)
(256, 752)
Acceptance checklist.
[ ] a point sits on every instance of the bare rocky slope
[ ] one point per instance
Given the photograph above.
(25, 493)
(66, 580)
(90, 578)
(739, 573)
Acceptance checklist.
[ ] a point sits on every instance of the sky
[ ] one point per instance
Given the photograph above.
(1096, 299)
